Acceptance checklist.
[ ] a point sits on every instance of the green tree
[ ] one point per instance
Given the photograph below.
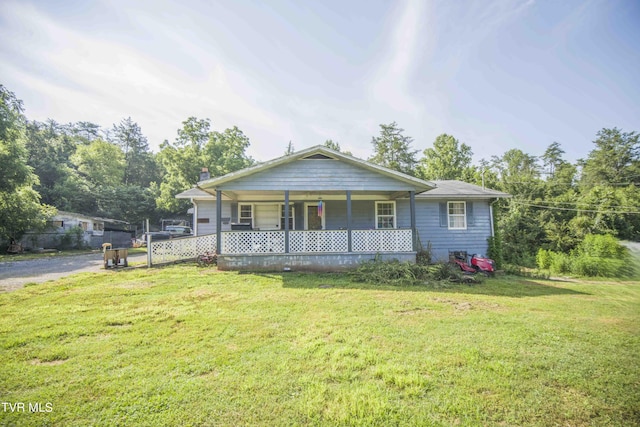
(50, 147)
(392, 149)
(609, 184)
(335, 146)
(519, 222)
(448, 159)
(139, 161)
(614, 161)
(85, 131)
(518, 173)
(101, 162)
(197, 147)
(552, 158)
(20, 207)
(225, 152)
(180, 162)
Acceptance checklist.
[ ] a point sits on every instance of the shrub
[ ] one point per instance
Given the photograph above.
(544, 258)
(560, 263)
(73, 238)
(590, 266)
(597, 255)
(602, 245)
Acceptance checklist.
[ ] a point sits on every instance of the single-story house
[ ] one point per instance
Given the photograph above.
(92, 231)
(341, 210)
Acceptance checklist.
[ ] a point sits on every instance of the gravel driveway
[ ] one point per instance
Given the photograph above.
(15, 274)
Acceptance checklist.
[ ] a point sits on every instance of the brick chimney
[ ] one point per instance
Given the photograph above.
(204, 174)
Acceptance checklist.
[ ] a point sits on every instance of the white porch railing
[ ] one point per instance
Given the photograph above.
(253, 242)
(318, 241)
(164, 251)
(382, 240)
(272, 242)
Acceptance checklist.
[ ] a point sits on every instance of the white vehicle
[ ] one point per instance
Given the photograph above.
(178, 230)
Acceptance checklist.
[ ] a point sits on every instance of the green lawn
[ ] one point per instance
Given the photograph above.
(188, 346)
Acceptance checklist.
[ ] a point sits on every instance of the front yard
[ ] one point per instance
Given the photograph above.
(187, 346)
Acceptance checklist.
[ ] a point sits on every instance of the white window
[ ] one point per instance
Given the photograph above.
(292, 217)
(245, 214)
(457, 215)
(385, 214)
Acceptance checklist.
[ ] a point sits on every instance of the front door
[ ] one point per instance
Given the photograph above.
(267, 217)
(312, 220)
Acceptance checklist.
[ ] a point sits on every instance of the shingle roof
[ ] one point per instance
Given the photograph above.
(454, 188)
(194, 193)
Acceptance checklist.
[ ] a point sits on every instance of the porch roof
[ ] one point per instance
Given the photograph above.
(316, 169)
(195, 193)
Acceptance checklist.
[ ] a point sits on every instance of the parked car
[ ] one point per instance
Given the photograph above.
(155, 236)
(178, 230)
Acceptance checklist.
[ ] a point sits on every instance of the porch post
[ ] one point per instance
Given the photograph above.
(195, 217)
(349, 243)
(412, 210)
(218, 221)
(286, 221)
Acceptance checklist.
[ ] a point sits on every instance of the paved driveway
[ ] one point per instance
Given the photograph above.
(15, 274)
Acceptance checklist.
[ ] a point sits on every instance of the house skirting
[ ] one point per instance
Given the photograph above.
(306, 262)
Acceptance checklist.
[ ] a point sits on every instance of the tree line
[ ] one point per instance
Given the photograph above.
(554, 203)
(82, 167)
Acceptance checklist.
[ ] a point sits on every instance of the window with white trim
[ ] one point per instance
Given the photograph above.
(385, 215)
(457, 215)
(245, 214)
(292, 217)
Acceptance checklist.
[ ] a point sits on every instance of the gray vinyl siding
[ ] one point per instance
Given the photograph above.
(472, 240)
(317, 175)
(207, 209)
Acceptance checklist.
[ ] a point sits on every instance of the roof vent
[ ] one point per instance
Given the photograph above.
(318, 157)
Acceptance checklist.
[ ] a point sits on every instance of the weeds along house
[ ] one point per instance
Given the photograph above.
(341, 211)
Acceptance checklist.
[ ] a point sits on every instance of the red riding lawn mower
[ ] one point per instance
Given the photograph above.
(478, 264)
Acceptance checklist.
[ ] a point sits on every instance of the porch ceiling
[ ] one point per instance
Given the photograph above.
(245, 195)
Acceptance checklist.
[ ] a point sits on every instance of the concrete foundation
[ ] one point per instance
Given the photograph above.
(306, 262)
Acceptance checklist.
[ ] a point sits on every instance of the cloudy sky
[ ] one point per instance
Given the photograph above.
(495, 74)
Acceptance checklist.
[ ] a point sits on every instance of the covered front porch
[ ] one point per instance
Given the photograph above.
(315, 221)
(318, 229)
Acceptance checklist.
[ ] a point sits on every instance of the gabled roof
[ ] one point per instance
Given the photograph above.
(454, 188)
(195, 193)
(318, 151)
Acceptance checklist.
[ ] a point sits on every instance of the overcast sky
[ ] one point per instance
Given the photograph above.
(495, 74)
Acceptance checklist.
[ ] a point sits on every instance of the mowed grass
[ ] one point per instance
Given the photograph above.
(187, 346)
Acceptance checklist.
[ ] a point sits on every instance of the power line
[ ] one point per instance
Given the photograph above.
(584, 203)
(575, 209)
